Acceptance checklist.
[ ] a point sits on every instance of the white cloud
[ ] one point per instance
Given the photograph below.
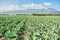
(32, 6)
(47, 4)
(24, 6)
(21, 7)
(57, 9)
(9, 8)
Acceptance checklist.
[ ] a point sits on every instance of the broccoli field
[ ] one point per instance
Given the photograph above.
(29, 27)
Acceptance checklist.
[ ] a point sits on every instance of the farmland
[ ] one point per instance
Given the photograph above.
(23, 27)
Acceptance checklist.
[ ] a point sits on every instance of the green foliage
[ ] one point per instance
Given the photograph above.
(30, 27)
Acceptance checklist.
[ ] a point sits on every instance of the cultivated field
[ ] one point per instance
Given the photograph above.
(23, 27)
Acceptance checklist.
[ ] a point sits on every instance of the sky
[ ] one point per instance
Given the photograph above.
(11, 5)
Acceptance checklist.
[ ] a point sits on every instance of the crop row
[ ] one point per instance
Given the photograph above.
(30, 28)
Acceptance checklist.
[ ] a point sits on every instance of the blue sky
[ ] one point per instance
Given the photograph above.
(15, 4)
(18, 2)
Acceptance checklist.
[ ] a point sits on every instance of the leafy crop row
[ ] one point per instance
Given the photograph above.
(30, 28)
